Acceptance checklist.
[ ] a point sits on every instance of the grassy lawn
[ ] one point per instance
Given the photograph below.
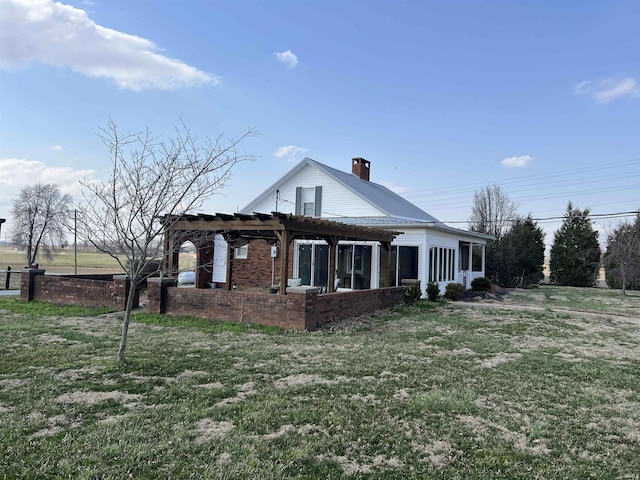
(525, 388)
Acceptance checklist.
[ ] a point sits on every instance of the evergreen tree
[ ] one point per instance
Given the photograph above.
(622, 259)
(575, 254)
(520, 254)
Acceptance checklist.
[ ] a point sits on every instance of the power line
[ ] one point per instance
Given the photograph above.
(559, 173)
(591, 216)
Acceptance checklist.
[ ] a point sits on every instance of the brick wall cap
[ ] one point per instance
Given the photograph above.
(171, 281)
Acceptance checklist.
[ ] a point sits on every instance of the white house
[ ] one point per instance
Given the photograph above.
(427, 249)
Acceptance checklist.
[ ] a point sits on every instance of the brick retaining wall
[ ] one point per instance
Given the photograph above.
(109, 291)
(292, 311)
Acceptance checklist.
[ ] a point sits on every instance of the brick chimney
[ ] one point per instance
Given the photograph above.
(361, 168)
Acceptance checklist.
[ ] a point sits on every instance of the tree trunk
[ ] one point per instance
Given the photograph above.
(127, 318)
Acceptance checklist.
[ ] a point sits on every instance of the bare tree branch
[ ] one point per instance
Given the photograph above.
(40, 213)
(150, 179)
(492, 212)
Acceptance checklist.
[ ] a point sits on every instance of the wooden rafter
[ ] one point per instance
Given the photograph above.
(238, 229)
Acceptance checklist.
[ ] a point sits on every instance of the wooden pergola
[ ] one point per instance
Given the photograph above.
(239, 229)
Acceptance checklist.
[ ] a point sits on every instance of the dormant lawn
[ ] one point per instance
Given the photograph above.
(545, 384)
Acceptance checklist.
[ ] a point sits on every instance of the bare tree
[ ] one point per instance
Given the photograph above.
(492, 212)
(150, 180)
(622, 258)
(40, 213)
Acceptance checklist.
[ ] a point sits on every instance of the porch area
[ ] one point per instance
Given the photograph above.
(294, 311)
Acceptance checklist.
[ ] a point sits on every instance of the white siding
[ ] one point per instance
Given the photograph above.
(337, 201)
(220, 260)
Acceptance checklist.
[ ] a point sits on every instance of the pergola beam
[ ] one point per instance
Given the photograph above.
(240, 229)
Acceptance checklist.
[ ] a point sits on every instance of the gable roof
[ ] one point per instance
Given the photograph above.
(392, 204)
(379, 196)
(399, 212)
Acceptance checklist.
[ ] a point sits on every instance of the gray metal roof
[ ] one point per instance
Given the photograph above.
(392, 204)
(399, 223)
(398, 211)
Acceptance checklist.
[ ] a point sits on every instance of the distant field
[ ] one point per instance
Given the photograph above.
(61, 263)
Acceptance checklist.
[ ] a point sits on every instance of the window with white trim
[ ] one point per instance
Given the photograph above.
(309, 201)
(404, 264)
(241, 252)
(442, 264)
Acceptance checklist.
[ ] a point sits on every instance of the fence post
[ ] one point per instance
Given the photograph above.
(8, 280)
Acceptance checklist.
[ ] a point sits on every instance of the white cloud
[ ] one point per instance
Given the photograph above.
(395, 188)
(288, 151)
(62, 35)
(16, 173)
(288, 58)
(608, 89)
(521, 161)
(56, 148)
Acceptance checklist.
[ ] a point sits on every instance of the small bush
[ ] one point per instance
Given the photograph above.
(481, 284)
(433, 291)
(412, 294)
(453, 291)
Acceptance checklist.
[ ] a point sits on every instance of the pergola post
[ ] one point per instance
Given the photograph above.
(284, 260)
(333, 249)
(387, 273)
(171, 255)
(230, 249)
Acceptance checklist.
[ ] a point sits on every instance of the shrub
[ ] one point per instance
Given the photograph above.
(433, 291)
(412, 294)
(454, 291)
(481, 284)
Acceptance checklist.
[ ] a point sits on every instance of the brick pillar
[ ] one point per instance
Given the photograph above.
(27, 281)
(121, 285)
(157, 291)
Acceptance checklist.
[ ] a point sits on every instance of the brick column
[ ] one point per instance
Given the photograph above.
(156, 293)
(27, 281)
(121, 285)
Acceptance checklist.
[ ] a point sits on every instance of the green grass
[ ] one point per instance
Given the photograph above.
(429, 391)
(50, 309)
(203, 325)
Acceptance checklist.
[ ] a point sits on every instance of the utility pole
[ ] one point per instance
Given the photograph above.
(75, 242)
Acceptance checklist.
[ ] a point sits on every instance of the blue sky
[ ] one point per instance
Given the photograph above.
(443, 98)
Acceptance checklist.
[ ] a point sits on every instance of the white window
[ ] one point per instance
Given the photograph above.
(241, 252)
(308, 201)
(442, 264)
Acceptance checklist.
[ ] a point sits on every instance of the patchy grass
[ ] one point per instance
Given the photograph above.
(486, 390)
(598, 300)
(48, 309)
(210, 326)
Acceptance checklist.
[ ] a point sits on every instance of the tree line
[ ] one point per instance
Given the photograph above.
(515, 258)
